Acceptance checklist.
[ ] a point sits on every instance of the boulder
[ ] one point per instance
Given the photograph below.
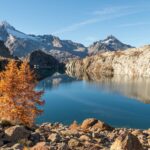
(88, 123)
(35, 137)
(16, 133)
(126, 141)
(73, 143)
(137, 132)
(95, 124)
(41, 146)
(74, 126)
(18, 146)
(62, 146)
(54, 137)
(1, 143)
(1, 133)
(84, 138)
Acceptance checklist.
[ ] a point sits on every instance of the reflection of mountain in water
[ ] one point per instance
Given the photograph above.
(55, 80)
(137, 88)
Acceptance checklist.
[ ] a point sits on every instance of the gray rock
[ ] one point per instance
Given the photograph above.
(35, 137)
(54, 137)
(41, 146)
(16, 133)
(18, 147)
(62, 146)
(1, 143)
(126, 141)
(95, 124)
(84, 138)
(73, 143)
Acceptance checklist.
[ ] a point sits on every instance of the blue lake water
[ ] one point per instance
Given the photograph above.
(121, 102)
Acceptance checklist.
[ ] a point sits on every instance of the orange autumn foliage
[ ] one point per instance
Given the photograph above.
(18, 99)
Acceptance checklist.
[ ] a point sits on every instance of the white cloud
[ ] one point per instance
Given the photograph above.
(134, 24)
(102, 15)
(110, 10)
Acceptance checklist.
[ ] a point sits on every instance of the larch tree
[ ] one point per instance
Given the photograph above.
(19, 100)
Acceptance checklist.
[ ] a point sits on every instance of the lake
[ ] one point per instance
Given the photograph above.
(119, 101)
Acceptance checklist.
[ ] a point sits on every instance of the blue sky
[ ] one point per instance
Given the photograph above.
(82, 21)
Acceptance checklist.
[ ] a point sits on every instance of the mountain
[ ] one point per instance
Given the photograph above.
(40, 59)
(133, 62)
(62, 56)
(111, 43)
(43, 63)
(4, 51)
(20, 44)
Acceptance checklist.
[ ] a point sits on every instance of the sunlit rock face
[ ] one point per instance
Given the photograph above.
(132, 62)
(132, 87)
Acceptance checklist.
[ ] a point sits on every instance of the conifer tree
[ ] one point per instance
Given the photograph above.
(18, 98)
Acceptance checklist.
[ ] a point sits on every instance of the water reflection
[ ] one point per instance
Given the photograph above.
(112, 100)
(137, 88)
(55, 80)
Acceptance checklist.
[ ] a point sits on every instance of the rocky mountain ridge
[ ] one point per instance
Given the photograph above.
(132, 62)
(43, 63)
(111, 43)
(21, 44)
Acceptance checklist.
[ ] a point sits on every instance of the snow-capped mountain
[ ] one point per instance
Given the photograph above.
(8, 30)
(20, 44)
(111, 43)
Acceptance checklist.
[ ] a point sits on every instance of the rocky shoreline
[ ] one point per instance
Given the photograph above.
(92, 134)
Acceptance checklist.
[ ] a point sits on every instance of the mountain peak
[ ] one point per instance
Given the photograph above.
(111, 37)
(5, 24)
(110, 43)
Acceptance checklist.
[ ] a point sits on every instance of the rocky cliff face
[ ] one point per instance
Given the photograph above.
(4, 51)
(42, 60)
(5, 55)
(43, 63)
(131, 62)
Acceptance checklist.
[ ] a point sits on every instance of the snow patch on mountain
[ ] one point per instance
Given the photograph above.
(13, 32)
(111, 43)
(18, 34)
